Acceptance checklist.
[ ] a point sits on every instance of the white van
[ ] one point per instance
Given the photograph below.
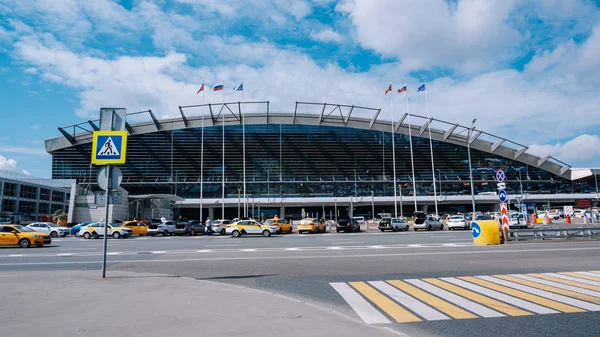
(359, 219)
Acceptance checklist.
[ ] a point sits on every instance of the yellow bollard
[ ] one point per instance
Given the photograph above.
(485, 232)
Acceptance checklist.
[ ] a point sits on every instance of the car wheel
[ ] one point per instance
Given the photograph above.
(429, 228)
(165, 233)
(116, 235)
(77, 234)
(450, 228)
(383, 230)
(193, 233)
(442, 227)
(406, 229)
(24, 243)
(415, 229)
(87, 235)
(223, 231)
(291, 230)
(53, 234)
(236, 234)
(266, 233)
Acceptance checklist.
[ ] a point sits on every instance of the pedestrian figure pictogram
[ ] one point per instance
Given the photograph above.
(108, 149)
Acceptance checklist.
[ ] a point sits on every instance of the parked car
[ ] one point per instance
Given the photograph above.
(311, 225)
(220, 226)
(359, 219)
(49, 227)
(165, 228)
(96, 230)
(75, 229)
(192, 228)
(393, 224)
(283, 226)
(17, 235)
(137, 228)
(516, 220)
(347, 225)
(250, 227)
(484, 217)
(428, 222)
(458, 221)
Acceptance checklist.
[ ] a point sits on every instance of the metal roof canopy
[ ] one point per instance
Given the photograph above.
(454, 133)
(169, 197)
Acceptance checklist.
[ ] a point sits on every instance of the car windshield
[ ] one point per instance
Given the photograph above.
(484, 217)
(23, 228)
(269, 222)
(456, 218)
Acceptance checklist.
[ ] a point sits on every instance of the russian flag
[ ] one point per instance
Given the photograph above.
(218, 87)
(403, 89)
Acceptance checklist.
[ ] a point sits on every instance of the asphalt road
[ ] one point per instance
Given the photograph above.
(334, 270)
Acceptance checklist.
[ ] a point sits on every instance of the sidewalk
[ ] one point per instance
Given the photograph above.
(76, 303)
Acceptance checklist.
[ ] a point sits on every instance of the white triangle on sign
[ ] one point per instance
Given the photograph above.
(108, 149)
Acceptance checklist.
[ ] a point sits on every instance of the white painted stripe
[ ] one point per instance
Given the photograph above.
(557, 285)
(335, 248)
(291, 249)
(588, 274)
(365, 310)
(64, 254)
(543, 293)
(204, 251)
(376, 247)
(114, 253)
(15, 255)
(575, 279)
(249, 250)
(159, 252)
(411, 303)
(538, 309)
(476, 308)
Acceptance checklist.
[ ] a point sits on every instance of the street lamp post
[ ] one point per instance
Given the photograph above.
(372, 205)
(470, 168)
(268, 186)
(239, 196)
(355, 190)
(596, 178)
(440, 180)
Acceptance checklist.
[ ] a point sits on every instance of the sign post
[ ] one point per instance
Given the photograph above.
(503, 197)
(109, 147)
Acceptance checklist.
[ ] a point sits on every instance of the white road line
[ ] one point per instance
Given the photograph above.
(114, 253)
(292, 249)
(16, 255)
(64, 254)
(204, 251)
(557, 285)
(588, 274)
(335, 248)
(224, 245)
(538, 309)
(410, 302)
(248, 250)
(476, 308)
(159, 252)
(543, 293)
(366, 311)
(78, 248)
(575, 279)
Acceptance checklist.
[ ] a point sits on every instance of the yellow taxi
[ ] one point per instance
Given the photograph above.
(17, 235)
(311, 225)
(249, 227)
(137, 228)
(283, 226)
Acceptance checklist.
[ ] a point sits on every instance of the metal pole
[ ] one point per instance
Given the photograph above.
(412, 160)
(440, 179)
(268, 185)
(355, 192)
(470, 169)
(106, 204)
(401, 205)
(223, 155)
(394, 152)
(252, 206)
(372, 206)
(244, 145)
(431, 149)
(596, 178)
(202, 158)
(239, 196)
(335, 209)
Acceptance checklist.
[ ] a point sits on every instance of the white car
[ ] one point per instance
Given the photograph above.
(393, 224)
(165, 228)
(220, 226)
(458, 221)
(51, 228)
(96, 230)
(517, 220)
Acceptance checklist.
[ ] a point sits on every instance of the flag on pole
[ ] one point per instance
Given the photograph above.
(388, 89)
(421, 88)
(218, 87)
(403, 89)
(239, 87)
(201, 89)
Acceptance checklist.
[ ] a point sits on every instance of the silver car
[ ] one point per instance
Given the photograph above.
(428, 222)
(458, 221)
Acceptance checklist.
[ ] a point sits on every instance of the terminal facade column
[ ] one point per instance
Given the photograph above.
(211, 213)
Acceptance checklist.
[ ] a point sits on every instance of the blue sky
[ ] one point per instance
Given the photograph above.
(529, 70)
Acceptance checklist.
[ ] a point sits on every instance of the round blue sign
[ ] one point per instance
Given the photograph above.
(502, 196)
(475, 229)
(500, 176)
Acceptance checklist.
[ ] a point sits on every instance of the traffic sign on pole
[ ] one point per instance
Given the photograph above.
(109, 147)
(500, 176)
(502, 196)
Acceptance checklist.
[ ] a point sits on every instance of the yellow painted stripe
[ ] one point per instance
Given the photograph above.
(390, 307)
(595, 272)
(569, 282)
(550, 289)
(587, 277)
(447, 308)
(523, 295)
(492, 303)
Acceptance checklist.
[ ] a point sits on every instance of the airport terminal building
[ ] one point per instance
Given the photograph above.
(330, 159)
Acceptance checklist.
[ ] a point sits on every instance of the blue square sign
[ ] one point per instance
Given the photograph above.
(109, 147)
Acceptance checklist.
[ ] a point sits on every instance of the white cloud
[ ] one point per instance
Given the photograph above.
(25, 172)
(36, 126)
(580, 148)
(326, 35)
(275, 10)
(7, 163)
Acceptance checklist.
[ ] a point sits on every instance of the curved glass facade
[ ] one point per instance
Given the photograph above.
(303, 161)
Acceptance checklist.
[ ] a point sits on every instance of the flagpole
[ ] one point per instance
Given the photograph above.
(223, 151)
(412, 160)
(202, 156)
(431, 149)
(244, 153)
(394, 152)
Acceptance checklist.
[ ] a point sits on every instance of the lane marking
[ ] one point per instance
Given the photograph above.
(584, 275)
(249, 250)
(446, 307)
(559, 289)
(581, 282)
(366, 311)
(390, 307)
(546, 294)
(158, 252)
(204, 251)
(291, 249)
(487, 301)
(335, 248)
(16, 255)
(78, 248)
(64, 254)
(411, 303)
(463, 302)
(563, 281)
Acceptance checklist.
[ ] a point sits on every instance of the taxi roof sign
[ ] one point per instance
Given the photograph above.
(109, 147)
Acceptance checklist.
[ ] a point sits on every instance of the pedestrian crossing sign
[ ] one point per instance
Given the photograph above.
(109, 147)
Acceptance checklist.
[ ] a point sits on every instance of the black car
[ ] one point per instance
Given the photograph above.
(192, 227)
(347, 225)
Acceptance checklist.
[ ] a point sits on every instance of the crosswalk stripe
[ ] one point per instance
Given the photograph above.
(559, 289)
(460, 301)
(443, 306)
(416, 306)
(366, 311)
(563, 281)
(526, 296)
(390, 307)
(577, 281)
(595, 272)
(584, 275)
(480, 287)
(546, 294)
(492, 303)
(576, 278)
